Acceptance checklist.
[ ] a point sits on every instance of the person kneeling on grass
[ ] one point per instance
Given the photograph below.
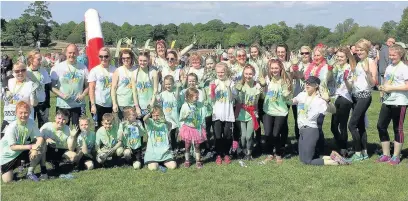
(310, 106)
(56, 135)
(82, 145)
(131, 131)
(108, 142)
(15, 145)
(158, 147)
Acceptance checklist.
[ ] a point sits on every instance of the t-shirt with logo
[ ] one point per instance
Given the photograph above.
(41, 77)
(277, 95)
(223, 103)
(396, 75)
(158, 146)
(170, 104)
(249, 97)
(124, 93)
(309, 109)
(144, 86)
(340, 85)
(131, 134)
(59, 136)
(106, 140)
(103, 81)
(89, 139)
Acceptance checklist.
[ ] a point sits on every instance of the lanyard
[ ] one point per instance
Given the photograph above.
(72, 72)
(392, 75)
(18, 90)
(308, 104)
(19, 131)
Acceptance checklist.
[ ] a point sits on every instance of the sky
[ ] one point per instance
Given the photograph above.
(321, 13)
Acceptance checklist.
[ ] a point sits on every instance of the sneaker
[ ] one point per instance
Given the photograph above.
(338, 158)
(199, 165)
(227, 160)
(365, 156)
(279, 160)
(383, 158)
(44, 176)
(32, 177)
(266, 160)
(356, 157)
(187, 164)
(218, 161)
(395, 160)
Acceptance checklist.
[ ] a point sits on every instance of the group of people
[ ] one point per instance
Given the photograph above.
(149, 108)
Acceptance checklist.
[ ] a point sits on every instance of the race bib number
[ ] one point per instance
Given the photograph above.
(10, 113)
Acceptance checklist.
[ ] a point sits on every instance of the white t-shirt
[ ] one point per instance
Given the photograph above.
(360, 79)
(21, 92)
(71, 79)
(103, 81)
(396, 75)
(223, 106)
(309, 109)
(41, 77)
(198, 72)
(175, 74)
(341, 88)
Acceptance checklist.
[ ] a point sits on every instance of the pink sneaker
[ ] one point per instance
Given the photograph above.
(218, 161)
(227, 160)
(383, 158)
(187, 164)
(395, 160)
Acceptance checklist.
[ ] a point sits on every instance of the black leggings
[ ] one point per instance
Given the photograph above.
(208, 124)
(396, 113)
(274, 133)
(295, 117)
(356, 123)
(173, 139)
(339, 121)
(74, 114)
(223, 137)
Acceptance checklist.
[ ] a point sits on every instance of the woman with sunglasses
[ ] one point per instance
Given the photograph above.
(160, 61)
(343, 101)
(39, 75)
(173, 69)
(100, 80)
(362, 78)
(121, 91)
(20, 89)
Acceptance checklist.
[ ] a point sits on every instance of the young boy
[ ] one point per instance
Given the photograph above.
(83, 145)
(108, 142)
(131, 131)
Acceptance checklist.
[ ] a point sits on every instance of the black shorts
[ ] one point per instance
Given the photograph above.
(55, 155)
(137, 154)
(15, 163)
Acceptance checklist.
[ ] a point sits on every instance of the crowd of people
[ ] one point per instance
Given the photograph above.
(150, 109)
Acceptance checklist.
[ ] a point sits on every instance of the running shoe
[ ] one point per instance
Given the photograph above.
(187, 164)
(356, 157)
(227, 159)
(218, 161)
(279, 160)
(383, 158)
(43, 176)
(338, 158)
(199, 165)
(395, 160)
(266, 160)
(32, 177)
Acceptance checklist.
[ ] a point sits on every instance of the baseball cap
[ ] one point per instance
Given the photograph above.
(313, 80)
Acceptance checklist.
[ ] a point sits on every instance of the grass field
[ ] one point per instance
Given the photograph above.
(290, 181)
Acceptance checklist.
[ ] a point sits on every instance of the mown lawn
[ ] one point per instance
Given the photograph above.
(289, 181)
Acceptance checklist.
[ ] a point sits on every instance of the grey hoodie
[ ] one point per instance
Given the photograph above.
(384, 61)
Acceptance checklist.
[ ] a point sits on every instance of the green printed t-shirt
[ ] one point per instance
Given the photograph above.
(144, 87)
(89, 138)
(193, 115)
(132, 134)
(167, 100)
(106, 139)
(59, 136)
(158, 146)
(275, 103)
(248, 96)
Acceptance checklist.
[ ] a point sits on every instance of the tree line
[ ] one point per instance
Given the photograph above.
(36, 24)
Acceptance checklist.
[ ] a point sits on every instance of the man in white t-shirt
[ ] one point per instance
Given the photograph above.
(69, 84)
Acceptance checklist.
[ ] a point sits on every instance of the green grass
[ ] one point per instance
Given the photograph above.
(289, 181)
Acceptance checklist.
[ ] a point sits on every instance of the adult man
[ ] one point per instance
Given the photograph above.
(68, 83)
(384, 61)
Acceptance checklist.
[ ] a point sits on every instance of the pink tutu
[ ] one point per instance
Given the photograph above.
(190, 134)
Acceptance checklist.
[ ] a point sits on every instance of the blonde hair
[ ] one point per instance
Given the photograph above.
(127, 111)
(105, 49)
(108, 117)
(225, 66)
(321, 49)
(84, 118)
(247, 66)
(365, 45)
(190, 92)
(31, 55)
(19, 64)
(399, 49)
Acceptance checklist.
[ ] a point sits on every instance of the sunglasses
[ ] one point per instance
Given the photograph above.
(304, 53)
(241, 55)
(20, 71)
(103, 56)
(171, 59)
(123, 58)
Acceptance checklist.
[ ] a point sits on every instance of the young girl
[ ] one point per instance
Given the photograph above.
(343, 101)
(191, 82)
(277, 93)
(15, 145)
(394, 106)
(83, 145)
(121, 90)
(192, 123)
(170, 101)
(248, 92)
(144, 85)
(223, 112)
(158, 146)
(100, 80)
(361, 79)
(195, 62)
(108, 142)
(310, 106)
(131, 131)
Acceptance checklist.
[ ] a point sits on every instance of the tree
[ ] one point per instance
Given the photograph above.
(370, 33)
(402, 28)
(254, 34)
(345, 27)
(215, 25)
(389, 28)
(38, 18)
(239, 38)
(171, 28)
(17, 32)
(75, 38)
(272, 34)
(159, 32)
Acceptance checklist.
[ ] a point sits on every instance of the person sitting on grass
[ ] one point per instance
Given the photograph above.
(15, 145)
(108, 142)
(56, 135)
(310, 106)
(158, 147)
(82, 145)
(131, 131)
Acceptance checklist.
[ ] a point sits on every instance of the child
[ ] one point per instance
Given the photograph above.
(310, 106)
(223, 113)
(15, 146)
(278, 90)
(158, 146)
(191, 82)
(169, 100)
(248, 92)
(131, 131)
(394, 106)
(108, 142)
(56, 135)
(192, 123)
(83, 144)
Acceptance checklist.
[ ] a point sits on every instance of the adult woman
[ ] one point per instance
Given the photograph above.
(15, 146)
(20, 89)
(100, 79)
(173, 68)
(40, 76)
(362, 78)
(161, 51)
(343, 101)
(394, 106)
(256, 59)
(121, 90)
(144, 85)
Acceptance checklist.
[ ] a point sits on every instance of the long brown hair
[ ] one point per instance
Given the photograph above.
(350, 58)
(283, 73)
(247, 66)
